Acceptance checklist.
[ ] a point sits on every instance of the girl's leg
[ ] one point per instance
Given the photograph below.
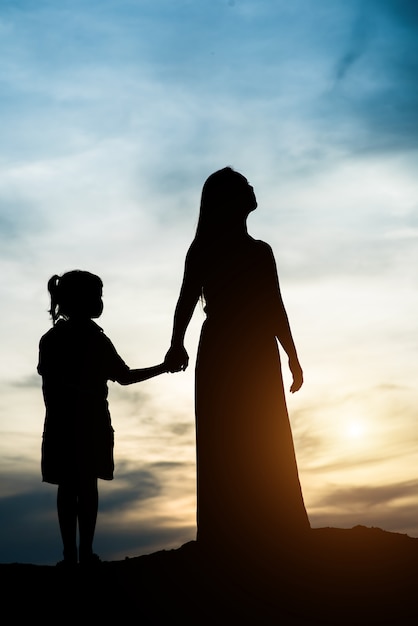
(67, 518)
(88, 502)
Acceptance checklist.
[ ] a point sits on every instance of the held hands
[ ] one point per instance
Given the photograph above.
(176, 359)
(297, 374)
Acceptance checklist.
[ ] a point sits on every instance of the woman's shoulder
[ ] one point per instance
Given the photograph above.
(260, 243)
(195, 249)
(196, 256)
(261, 246)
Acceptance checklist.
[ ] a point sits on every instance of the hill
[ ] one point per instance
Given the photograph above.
(357, 577)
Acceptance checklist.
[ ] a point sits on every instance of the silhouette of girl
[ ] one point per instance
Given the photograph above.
(76, 360)
(248, 490)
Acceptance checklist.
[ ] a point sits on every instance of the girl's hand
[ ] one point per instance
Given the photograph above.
(176, 359)
(297, 374)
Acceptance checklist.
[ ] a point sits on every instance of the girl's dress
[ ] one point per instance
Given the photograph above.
(248, 490)
(76, 360)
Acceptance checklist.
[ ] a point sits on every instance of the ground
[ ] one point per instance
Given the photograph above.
(342, 577)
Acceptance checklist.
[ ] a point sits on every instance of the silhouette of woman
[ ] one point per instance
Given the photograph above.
(248, 490)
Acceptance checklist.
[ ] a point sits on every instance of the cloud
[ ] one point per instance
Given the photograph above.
(403, 10)
(152, 89)
(391, 507)
(139, 484)
(30, 382)
(349, 497)
(376, 92)
(133, 514)
(357, 45)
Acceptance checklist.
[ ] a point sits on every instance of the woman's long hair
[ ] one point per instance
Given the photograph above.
(220, 204)
(224, 203)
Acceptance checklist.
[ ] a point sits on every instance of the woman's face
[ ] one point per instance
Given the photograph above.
(246, 195)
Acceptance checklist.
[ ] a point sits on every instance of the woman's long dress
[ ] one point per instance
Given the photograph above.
(248, 490)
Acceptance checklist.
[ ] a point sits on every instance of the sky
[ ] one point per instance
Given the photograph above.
(112, 115)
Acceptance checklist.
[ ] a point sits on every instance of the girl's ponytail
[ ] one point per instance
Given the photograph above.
(53, 288)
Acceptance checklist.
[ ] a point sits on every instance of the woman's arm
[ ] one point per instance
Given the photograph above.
(283, 331)
(177, 358)
(284, 335)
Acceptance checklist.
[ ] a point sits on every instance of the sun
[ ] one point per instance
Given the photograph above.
(355, 429)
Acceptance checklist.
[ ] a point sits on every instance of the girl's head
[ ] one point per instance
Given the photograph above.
(76, 294)
(227, 199)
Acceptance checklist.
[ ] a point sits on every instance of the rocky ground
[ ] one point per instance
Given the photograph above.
(357, 577)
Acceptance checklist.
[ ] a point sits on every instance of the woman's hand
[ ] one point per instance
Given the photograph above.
(176, 359)
(297, 374)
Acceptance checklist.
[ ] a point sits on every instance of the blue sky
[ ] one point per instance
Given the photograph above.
(113, 113)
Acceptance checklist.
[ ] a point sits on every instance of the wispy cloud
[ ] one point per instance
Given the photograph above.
(135, 515)
(375, 74)
(390, 507)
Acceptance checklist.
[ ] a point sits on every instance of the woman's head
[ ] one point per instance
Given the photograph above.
(227, 199)
(75, 294)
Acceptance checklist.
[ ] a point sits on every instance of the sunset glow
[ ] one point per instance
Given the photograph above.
(356, 429)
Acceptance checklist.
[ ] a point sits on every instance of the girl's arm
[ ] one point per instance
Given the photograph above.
(128, 377)
(177, 358)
